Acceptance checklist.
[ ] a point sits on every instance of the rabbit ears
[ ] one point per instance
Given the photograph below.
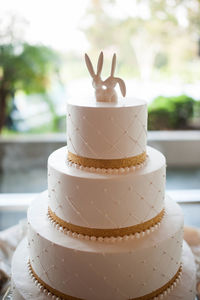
(90, 67)
(113, 65)
(99, 65)
(122, 86)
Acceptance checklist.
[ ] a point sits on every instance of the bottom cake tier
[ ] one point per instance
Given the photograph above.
(132, 267)
(26, 287)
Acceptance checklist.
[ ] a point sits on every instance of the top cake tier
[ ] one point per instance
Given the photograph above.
(107, 130)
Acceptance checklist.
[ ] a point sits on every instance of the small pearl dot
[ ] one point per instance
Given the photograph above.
(105, 190)
(77, 187)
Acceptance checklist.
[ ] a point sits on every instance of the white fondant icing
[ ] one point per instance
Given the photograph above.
(107, 130)
(94, 264)
(99, 200)
(162, 295)
(25, 288)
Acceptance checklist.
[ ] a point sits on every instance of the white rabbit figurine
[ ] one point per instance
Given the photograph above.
(104, 90)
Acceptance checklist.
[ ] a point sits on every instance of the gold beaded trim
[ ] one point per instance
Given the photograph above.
(165, 289)
(97, 232)
(107, 163)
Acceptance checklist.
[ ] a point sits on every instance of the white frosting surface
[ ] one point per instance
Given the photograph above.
(25, 288)
(120, 271)
(106, 200)
(104, 130)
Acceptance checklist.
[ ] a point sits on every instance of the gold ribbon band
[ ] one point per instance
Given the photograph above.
(97, 232)
(149, 296)
(107, 163)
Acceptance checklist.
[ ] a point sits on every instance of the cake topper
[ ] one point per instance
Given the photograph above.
(104, 90)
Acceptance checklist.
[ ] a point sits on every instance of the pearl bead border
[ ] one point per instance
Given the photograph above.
(54, 297)
(115, 171)
(111, 239)
(39, 285)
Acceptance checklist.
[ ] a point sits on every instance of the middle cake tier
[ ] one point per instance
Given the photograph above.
(98, 200)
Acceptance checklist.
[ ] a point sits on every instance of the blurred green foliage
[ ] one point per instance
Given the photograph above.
(171, 112)
(24, 67)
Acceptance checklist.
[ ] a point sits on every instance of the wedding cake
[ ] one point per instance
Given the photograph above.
(105, 230)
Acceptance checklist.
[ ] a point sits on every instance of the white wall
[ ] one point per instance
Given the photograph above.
(181, 148)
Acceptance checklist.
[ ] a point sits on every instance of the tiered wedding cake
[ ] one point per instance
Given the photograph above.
(105, 229)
